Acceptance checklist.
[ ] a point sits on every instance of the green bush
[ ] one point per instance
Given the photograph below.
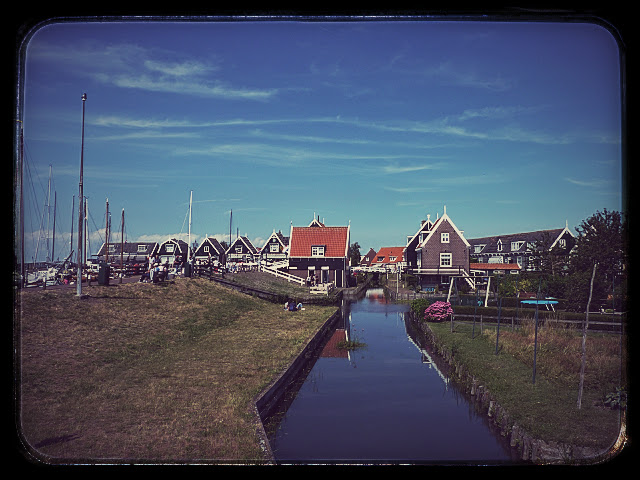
(418, 307)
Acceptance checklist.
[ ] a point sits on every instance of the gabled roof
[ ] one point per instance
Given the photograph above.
(387, 253)
(129, 248)
(214, 243)
(334, 239)
(181, 244)
(441, 221)
(491, 243)
(284, 241)
(246, 242)
(366, 259)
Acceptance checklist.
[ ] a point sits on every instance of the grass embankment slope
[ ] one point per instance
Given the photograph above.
(547, 408)
(143, 372)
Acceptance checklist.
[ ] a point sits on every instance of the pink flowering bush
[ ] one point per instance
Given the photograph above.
(438, 311)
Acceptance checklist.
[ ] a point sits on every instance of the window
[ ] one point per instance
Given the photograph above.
(478, 248)
(112, 248)
(380, 259)
(444, 237)
(499, 245)
(563, 243)
(170, 248)
(238, 248)
(142, 248)
(445, 259)
(392, 259)
(273, 248)
(516, 245)
(317, 251)
(206, 249)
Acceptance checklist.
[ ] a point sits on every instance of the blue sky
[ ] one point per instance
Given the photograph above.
(512, 126)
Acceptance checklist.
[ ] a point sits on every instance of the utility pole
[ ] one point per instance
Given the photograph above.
(80, 196)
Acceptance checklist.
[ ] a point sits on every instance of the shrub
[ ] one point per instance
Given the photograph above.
(419, 305)
(438, 311)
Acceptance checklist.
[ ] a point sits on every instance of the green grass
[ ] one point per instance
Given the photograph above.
(142, 372)
(546, 409)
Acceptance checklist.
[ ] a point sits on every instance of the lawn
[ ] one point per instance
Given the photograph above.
(545, 405)
(141, 372)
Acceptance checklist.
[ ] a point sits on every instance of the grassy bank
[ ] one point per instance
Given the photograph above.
(143, 372)
(546, 409)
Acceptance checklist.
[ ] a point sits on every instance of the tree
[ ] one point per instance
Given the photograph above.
(602, 238)
(354, 254)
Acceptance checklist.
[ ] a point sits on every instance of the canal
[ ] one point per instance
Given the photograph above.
(387, 402)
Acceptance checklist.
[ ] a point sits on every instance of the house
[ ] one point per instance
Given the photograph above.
(210, 248)
(320, 251)
(132, 252)
(173, 251)
(242, 250)
(276, 248)
(389, 258)
(521, 248)
(366, 260)
(437, 252)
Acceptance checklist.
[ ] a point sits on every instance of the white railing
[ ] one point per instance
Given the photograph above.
(322, 289)
(286, 276)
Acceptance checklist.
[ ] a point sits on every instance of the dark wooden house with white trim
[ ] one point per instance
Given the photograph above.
(210, 249)
(242, 251)
(276, 248)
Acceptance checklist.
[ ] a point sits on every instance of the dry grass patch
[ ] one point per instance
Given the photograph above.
(143, 372)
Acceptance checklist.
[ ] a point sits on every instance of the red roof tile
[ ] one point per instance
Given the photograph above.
(335, 240)
(494, 266)
(388, 252)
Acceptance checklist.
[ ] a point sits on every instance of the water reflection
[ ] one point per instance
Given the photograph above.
(387, 402)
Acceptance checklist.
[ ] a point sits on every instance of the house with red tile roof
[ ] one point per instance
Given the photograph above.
(320, 251)
(390, 258)
(437, 252)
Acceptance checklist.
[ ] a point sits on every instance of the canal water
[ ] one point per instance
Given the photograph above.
(387, 402)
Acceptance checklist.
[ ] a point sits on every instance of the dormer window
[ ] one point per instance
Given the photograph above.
(317, 251)
(142, 248)
(478, 248)
(444, 237)
(499, 245)
(516, 245)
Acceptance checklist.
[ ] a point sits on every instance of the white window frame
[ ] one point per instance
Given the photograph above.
(206, 249)
(238, 248)
(274, 248)
(516, 245)
(446, 259)
(317, 250)
(392, 259)
(563, 243)
(478, 248)
(444, 237)
(112, 248)
(170, 247)
(499, 247)
(142, 248)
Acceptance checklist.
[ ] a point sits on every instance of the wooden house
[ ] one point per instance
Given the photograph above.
(173, 251)
(437, 252)
(241, 251)
(366, 260)
(521, 248)
(132, 252)
(276, 248)
(389, 258)
(210, 249)
(320, 251)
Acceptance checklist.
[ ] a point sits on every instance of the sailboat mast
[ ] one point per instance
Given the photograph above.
(23, 278)
(106, 234)
(53, 236)
(122, 247)
(189, 246)
(73, 207)
(80, 197)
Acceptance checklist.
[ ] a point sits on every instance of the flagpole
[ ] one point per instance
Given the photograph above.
(80, 196)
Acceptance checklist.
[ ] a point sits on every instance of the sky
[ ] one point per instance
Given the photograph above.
(510, 126)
